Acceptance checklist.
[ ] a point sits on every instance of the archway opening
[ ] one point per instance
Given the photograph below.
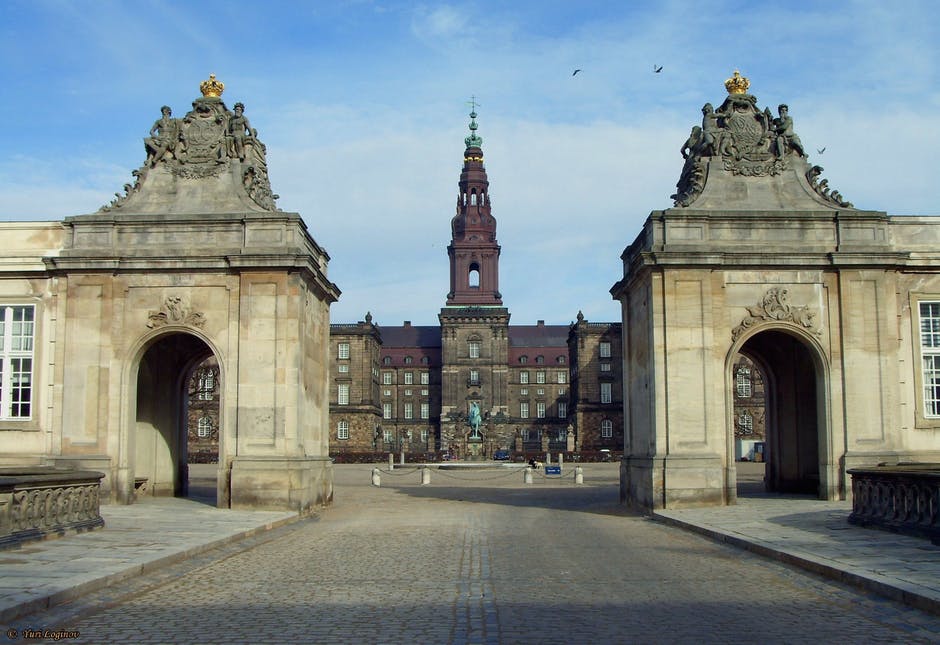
(792, 426)
(164, 417)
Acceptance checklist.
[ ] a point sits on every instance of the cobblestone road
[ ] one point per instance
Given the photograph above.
(481, 558)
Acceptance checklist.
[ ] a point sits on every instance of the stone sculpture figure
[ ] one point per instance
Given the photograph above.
(164, 135)
(786, 137)
(239, 131)
(711, 132)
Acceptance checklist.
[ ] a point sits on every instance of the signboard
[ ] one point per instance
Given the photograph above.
(552, 470)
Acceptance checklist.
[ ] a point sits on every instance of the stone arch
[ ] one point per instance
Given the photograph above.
(799, 433)
(154, 427)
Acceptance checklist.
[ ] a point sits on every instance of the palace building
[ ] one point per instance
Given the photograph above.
(539, 388)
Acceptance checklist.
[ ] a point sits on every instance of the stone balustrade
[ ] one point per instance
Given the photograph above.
(41, 502)
(901, 497)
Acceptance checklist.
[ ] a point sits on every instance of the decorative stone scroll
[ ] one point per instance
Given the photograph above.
(775, 306)
(746, 140)
(205, 143)
(174, 312)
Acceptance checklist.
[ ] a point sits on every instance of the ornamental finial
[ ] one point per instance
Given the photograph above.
(737, 84)
(212, 87)
(473, 141)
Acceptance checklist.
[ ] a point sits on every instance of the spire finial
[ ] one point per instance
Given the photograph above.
(473, 141)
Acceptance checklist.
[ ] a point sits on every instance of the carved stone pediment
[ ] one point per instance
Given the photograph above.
(174, 312)
(775, 307)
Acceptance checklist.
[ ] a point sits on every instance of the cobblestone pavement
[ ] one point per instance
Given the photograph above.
(478, 557)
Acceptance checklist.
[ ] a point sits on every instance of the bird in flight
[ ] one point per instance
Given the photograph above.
(575, 72)
(657, 69)
(821, 151)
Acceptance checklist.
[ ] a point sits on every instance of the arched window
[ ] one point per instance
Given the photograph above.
(607, 429)
(473, 198)
(540, 359)
(474, 276)
(386, 360)
(408, 360)
(746, 423)
(425, 360)
(204, 428)
(560, 360)
(523, 360)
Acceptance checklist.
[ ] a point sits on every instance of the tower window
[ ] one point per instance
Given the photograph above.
(473, 278)
(473, 198)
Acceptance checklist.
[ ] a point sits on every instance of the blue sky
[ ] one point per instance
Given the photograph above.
(362, 106)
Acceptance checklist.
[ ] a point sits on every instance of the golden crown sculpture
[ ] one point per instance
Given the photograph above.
(212, 87)
(737, 84)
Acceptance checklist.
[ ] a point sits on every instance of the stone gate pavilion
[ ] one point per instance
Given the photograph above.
(105, 315)
(838, 307)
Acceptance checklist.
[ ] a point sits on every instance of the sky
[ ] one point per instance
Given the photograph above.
(363, 108)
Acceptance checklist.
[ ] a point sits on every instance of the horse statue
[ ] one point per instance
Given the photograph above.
(475, 420)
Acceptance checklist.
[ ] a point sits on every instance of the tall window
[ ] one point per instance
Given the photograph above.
(561, 378)
(342, 394)
(204, 427)
(746, 423)
(562, 410)
(409, 411)
(607, 429)
(387, 435)
(474, 347)
(524, 410)
(743, 380)
(425, 413)
(424, 435)
(342, 430)
(386, 410)
(343, 350)
(604, 349)
(206, 384)
(605, 393)
(540, 377)
(386, 378)
(930, 356)
(409, 378)
(474, 377)
(425, 378)
(540, 409)
(17, 328)
(523, 377)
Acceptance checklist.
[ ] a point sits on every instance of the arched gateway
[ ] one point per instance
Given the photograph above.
(192, 261)
(759, 257)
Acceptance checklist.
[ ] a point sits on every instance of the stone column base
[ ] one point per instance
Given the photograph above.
(285, 483)
(674, 481)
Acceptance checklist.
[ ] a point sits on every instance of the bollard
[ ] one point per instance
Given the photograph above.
(403, 457)
(376, 477)
(425, 476)
(527, 476)
(391, 461)
(561, 461)
(578, 475)
(548, 458)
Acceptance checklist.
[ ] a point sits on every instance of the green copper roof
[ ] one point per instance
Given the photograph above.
(473, 141)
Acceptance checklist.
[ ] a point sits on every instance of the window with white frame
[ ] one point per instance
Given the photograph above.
(343, 368)
(387, 436)
(425, 378)
(605, 393)
(562, 410)
(746, 423)
(524, 391)
(386, 392)
(605, 367)
(525, 434)
(342, 394)
(206, 384)
(342, 350)
(407, 391)
(204, 427)
(424, 392)
(386, 378)
(523, 377)
(425, 411)
(474, 348)
(540, 391)
(524, 410)
(607, 429)
(409, 411)
(562, 391)
(386, 410)
(409, 378)
(930, 357)
(604, 349)
(17, 338)
(561, 378)
(386, 360)
(474, 377)
(424, 435)
(540, 377)
(540, 409)
(342, 430)
(743, 381)
(408, 360)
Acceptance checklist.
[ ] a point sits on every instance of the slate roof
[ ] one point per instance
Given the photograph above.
(411, 336)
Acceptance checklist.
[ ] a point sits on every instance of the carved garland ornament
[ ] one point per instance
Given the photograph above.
(174, 313)
(47, 508)
(775, 306)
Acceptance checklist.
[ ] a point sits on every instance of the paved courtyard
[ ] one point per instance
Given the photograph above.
(479, 557)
